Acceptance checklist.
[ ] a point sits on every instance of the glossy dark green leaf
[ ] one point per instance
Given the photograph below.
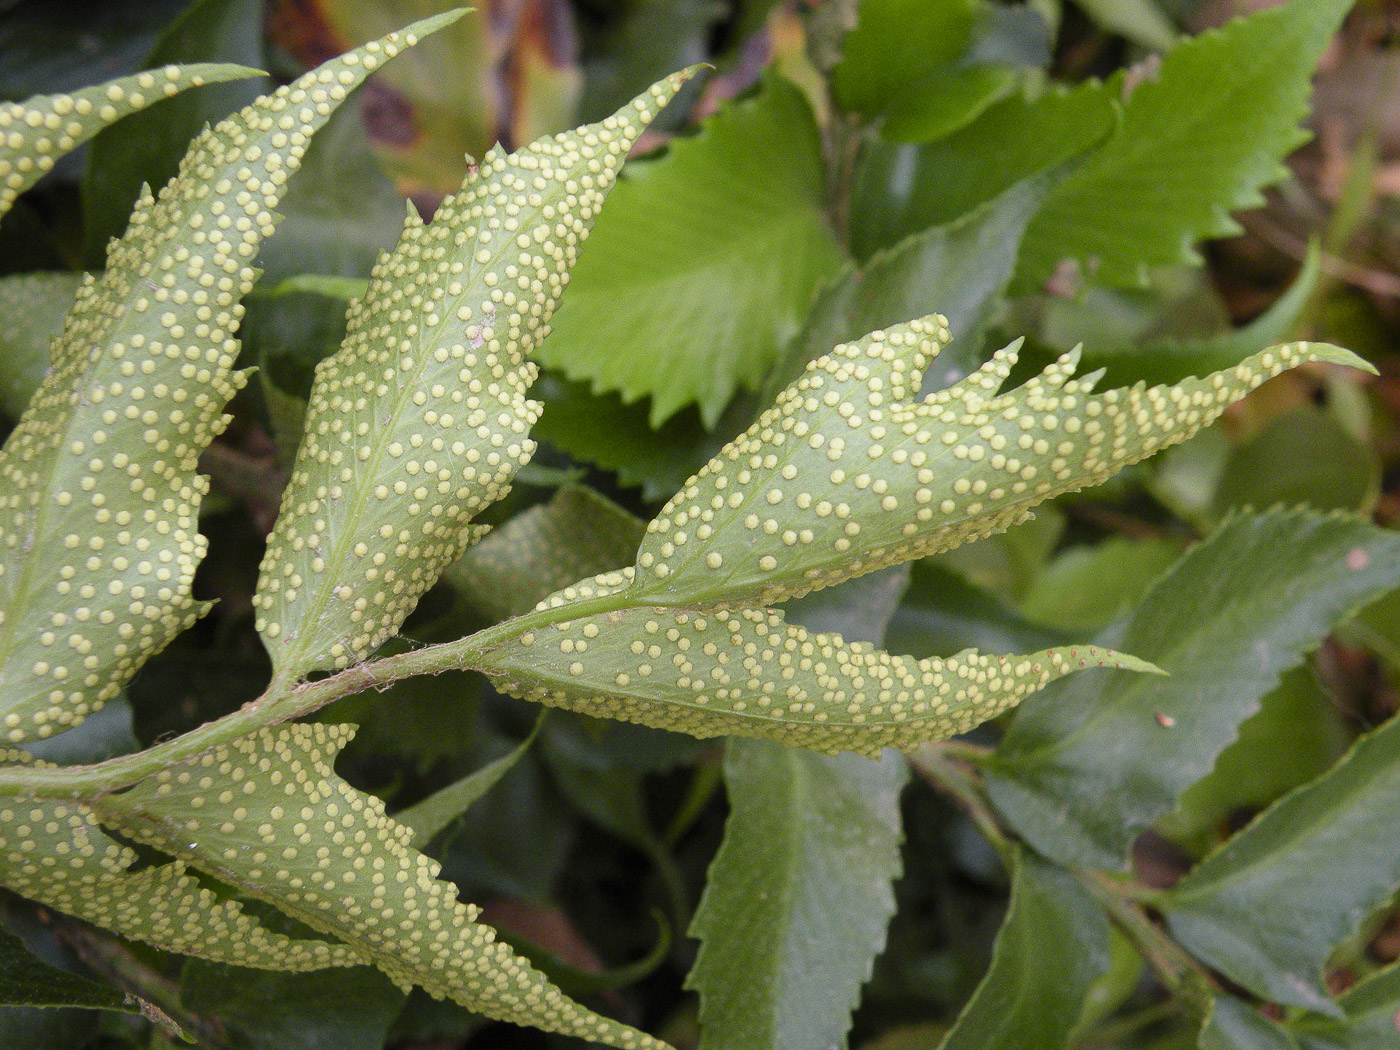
(1233, 1025)
(26, 980)
(1372, 1017)
(959, 270)
(32, 308)
(1231, 616)
(1052, 946)
(1085, 588)
(428, 817)
(1297, 734)
(902, 189)
(1268, 907)
(1168, 360)
(1300, 457)
(147, 147)
(336, 1009)
(798, 897)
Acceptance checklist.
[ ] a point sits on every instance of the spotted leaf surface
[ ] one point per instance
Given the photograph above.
(748, 672)
(38, 131)
(55, 853)
(845, 474)
(268, 814)
(421, 419)
(99, 493)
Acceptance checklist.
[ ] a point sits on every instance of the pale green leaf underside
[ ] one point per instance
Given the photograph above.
(38, 131)
(56, 854)
(705, 262)
(99, 493)
(268, 815)
(747, 672)
(421, 419)
(846, 474)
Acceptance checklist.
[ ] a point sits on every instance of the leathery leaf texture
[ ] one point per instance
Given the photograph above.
(99, 493)
(421, 419)
(55, 853)
(269, 815)
(747, 672)
(38, 131)
(846, 474)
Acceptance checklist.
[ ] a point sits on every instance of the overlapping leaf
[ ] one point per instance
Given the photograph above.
(1269, 907)
(98, 485)
(55, 853)
(690, 289)
(1230, 617)
(748, 672)
(269, 815)
(36, 132)
(844, 474)
(421, 419)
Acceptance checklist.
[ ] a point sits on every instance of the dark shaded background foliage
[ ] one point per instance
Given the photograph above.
(591, 852)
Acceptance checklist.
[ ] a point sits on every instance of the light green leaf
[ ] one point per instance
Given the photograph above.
(688, 290)
(1201, 137)
(798, 896)
(1052, 946)
(771, 517)
(427, 818)
(895, 44)
(1233, 614)
(1141, 21)
(99, 539)
(945, 102)
(903, 189)
(1232, 1025)
(421, 419)
(310, 844)
(961, 270)
(1269, 906)
(578, 533)
(32, 309)
(36, 132)
(26, 980)
(161, 904)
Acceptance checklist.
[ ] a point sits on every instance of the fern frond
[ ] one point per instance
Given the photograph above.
(98, 486)
(56, 854)
(35, 133)
(844, 475)
(747, 672)
(269, 815)
(421, 419)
